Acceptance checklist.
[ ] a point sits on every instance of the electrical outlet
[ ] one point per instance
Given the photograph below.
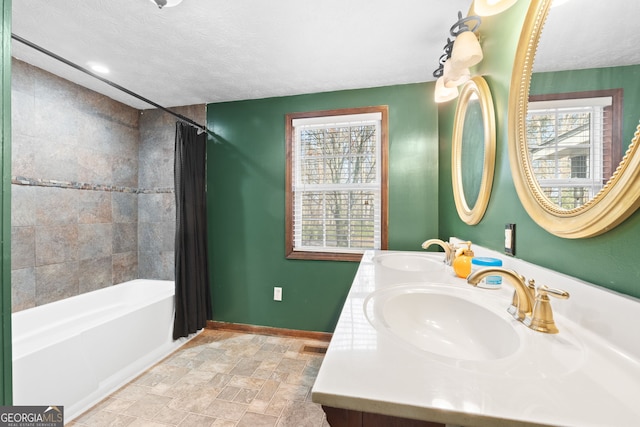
(510, 239)
(277, 293)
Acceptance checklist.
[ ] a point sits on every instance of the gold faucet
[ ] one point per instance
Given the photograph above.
(449, 249)
(542, 318)
(530, 306)
(524, 296)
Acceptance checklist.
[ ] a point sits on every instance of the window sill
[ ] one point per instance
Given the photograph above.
(324, 256)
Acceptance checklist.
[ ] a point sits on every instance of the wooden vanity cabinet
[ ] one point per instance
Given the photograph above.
(338, 417)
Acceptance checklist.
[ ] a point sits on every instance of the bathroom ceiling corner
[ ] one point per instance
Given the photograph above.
(219, 50)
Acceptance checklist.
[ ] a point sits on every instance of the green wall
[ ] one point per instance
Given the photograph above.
(609, 260)
(246, 198)
(5, 211)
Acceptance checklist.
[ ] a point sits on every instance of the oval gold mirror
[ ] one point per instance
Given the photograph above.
(473, 150)
(567, 117)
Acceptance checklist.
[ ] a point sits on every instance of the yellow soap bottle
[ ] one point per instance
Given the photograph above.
(462, 262)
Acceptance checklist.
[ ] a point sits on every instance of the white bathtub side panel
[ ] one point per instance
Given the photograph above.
(113, 346)
(120, 355)
(57, 375)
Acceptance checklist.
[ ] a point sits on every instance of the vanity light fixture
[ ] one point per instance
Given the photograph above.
(455, 76)
(466, 48)
(492, 7)
(460, 53)
(443, 93)
(166, 3)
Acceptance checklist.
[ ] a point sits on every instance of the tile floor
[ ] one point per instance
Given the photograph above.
(220, 378)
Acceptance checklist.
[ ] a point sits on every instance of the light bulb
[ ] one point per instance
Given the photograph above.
(491, 7)
(453, 76)
(466, 51)
(443, 93)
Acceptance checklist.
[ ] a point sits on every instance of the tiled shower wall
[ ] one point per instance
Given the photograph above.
(156, 200)
(86, 212)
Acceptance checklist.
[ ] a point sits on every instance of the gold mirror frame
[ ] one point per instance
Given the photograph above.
(476, 86)
(617, 200)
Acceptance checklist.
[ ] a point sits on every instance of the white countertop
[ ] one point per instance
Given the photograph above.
(595, 382)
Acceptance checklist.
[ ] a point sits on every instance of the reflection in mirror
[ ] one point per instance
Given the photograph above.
(574, 142)
(580, 165)
(575, 114)
(473, 150)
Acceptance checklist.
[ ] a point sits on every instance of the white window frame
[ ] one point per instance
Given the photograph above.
(295, 125)
(595, 106)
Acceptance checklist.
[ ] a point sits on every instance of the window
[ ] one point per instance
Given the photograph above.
(573, 148)
(336, 183)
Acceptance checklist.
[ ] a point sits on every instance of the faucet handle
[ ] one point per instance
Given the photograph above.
(542, 318)
(558, 293)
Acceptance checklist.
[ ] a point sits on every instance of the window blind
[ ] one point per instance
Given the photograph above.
(566, 146)
(337, 183)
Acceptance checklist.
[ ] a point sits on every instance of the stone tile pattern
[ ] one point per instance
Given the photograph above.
(76, 194)
(157, 208)
(220, 378)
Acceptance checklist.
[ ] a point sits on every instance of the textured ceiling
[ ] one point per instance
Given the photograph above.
(222, 50)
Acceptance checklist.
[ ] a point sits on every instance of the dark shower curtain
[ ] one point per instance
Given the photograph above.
(192, 300)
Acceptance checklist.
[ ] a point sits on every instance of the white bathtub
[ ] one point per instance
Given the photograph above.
(76, 351)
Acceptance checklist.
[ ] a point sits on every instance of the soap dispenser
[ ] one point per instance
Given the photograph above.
(462, 262)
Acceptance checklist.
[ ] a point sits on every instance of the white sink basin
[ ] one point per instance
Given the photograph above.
(442, 320)
(409, 262)
(403, 267)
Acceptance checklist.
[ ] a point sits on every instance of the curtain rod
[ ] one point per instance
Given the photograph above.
(110, 83)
